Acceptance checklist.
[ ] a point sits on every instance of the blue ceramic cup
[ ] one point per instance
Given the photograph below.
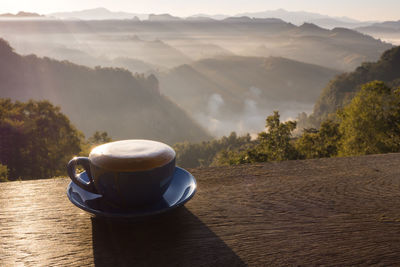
(128, 173)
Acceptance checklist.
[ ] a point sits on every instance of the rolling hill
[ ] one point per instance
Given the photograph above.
(170, 43)
(233, 89)
(387, 30)
(106, 99)
(385, 27)
(339, 48)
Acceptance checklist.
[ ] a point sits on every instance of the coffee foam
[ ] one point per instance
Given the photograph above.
(132, 155)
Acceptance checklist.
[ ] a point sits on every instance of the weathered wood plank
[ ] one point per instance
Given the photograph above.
(342, 211)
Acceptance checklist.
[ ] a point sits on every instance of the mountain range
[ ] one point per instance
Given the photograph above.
(21, 14)
(300, 17)
(226, 75)
(106, 99)
(295, 17)
(388, 31)
(385, 27)
(168, 44)
(99, 13)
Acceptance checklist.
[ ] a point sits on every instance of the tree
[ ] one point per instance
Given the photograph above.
(191, 155)
(96, 139)
(320, 143)
(275, 144)
(371, 122)
(340, 91)
(276, 141)
(36, 139)
(99, 138)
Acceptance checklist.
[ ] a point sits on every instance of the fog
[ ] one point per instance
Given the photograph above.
(227, 75)
(253, 118)
(395, 40)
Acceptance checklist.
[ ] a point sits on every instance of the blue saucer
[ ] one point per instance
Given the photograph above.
(182, 189)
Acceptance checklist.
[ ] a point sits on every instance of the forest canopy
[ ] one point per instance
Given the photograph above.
(341, 90)
(368, 124)
(37, 139)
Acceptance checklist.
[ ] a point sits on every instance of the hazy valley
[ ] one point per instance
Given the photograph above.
(236, 92)
(388, 31)
(106, 99)
(226, 74)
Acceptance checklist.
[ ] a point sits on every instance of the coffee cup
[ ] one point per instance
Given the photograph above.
(128, 173)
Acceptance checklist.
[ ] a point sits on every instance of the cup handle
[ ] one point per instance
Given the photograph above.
(85, 163)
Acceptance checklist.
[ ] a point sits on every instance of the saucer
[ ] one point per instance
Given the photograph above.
(182, 189)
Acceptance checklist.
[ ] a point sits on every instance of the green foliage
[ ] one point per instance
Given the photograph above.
(340, 91)
(99, 138)
(36, 139)
(250, 153)
(191, 155)
(370, 124)
(319, 143)
(276, 140)
(3, 173)
(273, 145)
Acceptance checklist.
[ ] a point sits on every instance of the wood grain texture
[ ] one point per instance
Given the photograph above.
(334, 212)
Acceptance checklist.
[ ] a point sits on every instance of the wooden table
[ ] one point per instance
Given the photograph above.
(342, 211)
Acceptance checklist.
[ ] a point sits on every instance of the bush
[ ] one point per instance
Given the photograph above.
(3, 173)
(275, 144)
(370, 124)
(322, 143)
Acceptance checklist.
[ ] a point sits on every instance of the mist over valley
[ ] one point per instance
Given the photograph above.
(236, 92)
(225, 75)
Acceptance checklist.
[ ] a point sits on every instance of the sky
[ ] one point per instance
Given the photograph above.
(357, 9)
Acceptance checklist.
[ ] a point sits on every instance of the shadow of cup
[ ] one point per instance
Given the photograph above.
(178, 238)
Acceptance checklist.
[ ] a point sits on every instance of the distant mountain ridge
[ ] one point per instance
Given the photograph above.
(99, 13)
(21, 14)
(387, 30)
(385, 27)
(295, 17)
(171, 43)
(163, 17)
(105, 99)
(300, 17)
